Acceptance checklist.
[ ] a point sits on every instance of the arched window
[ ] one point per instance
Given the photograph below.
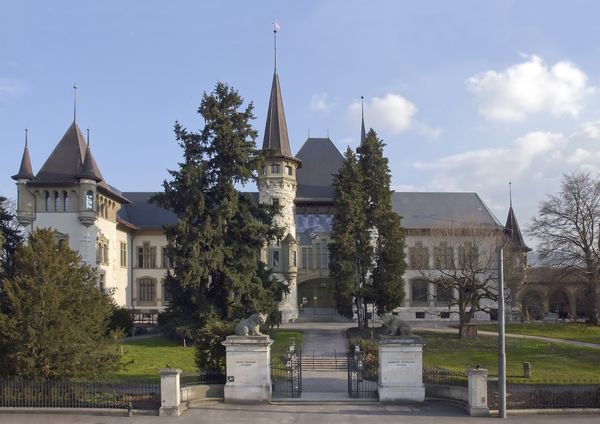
(56, 201)
(66, 202)
(89, 200)
(48, 201)
(147, 289)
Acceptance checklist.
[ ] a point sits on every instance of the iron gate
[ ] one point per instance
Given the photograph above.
(363, 374)
(286, 374)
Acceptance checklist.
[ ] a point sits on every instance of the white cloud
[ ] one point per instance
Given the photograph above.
(591, 130)
(392, 114)
(10, 88)
(320, 102)
(530, 87)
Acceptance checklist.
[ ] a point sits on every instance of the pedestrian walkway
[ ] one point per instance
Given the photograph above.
(329, 343)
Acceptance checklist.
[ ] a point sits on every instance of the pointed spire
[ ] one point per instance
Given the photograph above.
(512, 226)
(89, 168)
(75, 102)
(25, 170)
(363, 134)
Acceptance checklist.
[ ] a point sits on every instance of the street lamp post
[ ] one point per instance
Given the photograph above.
(501, 340)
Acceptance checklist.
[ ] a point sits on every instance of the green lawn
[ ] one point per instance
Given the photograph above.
(569, 331)
(143, 358)
(549, 361)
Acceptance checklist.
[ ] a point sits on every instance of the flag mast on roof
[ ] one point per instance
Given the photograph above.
(75, 102)
(275, 29)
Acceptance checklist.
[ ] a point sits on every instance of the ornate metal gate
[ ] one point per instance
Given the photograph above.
(363, 374)
(286, 374)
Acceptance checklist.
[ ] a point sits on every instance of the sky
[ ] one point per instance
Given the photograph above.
(467, 95)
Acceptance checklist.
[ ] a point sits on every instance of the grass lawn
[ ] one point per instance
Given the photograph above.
(569, 331)
(549, 361)
(144, 357)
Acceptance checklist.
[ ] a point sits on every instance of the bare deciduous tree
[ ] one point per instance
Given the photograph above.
(465, 269)
(567, 229)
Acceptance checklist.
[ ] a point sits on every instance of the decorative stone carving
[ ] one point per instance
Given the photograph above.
(394, 326)
(251, 326)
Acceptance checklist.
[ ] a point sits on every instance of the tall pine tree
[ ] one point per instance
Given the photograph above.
(12, 238)
(54, 319)
(216, 242)
(367, 249)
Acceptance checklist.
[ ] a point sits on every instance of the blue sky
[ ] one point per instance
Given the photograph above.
(467, 94)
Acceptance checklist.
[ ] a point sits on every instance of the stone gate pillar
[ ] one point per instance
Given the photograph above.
(248, 364)
(401, 369)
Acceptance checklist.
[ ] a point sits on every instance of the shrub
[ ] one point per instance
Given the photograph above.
(210, 352)
(121, 319)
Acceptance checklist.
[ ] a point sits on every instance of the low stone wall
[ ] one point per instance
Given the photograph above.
(445, 391)
(202, 392)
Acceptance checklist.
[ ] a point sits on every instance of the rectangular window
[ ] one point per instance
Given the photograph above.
(102, 282)
(444, 256)
(147, 256)
(444, 315)
(275, 258)
(293, 260)
(275, 201)
(275, 169)
(419, 256)
(147, 290)
(123, 254)
(418, 292)
(468, 255)
(442, 294)
(166, 261)
(420, 315)
(288, 170)
(307, 262)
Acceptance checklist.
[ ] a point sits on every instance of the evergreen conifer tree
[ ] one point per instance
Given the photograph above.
(216, 242)
(11, 239)
(54, 319)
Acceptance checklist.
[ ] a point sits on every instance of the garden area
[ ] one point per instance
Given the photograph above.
(550, 362)
(143, 358)
(568, 331)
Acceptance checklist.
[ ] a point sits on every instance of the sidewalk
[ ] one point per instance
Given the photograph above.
(219, 413)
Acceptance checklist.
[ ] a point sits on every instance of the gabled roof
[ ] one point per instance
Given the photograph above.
(320, 161)
(25, 170)
(514, 232)
(276, 133)
(425, 210)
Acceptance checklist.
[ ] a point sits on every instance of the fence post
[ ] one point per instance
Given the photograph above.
(170, 393)
(478, 406)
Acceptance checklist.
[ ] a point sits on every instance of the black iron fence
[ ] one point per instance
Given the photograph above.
(550, 395)
(202, 377)
(363, 374)
(286, 374)
(26, 393)
(447, 377)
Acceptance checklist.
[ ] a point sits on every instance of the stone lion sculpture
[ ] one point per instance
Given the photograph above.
(251, 326)
(394, 326)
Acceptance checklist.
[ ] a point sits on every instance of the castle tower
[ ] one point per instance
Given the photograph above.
(25, 199)
(277, 186)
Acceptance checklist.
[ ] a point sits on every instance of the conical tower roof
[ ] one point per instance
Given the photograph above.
(90, 168)
(514, 232)
(276, 134)
(66, 160)
(25, 170)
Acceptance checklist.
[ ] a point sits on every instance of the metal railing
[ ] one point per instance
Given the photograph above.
(446, 377)
(363, 374)
(32, 393)
(548, 395)
(202, 377)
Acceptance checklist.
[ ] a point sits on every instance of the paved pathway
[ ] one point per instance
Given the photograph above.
(219, 413)
(327, 341)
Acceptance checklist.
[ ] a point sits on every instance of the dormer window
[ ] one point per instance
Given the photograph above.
(275, 169)
(89, 200)
(288, 170)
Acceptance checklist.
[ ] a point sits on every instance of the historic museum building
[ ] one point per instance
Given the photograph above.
(121, 233)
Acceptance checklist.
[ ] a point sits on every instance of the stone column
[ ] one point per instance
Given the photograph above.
(170, 393)
(401, 369)
(478, 406)
(248, 364)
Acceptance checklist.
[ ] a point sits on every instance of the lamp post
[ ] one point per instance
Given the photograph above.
(501, 340)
